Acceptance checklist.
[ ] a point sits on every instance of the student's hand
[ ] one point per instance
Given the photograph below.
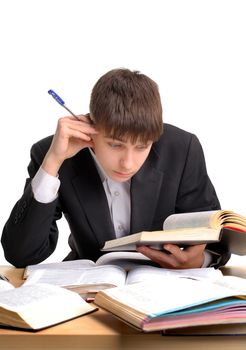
(70, 137)
(173, 257)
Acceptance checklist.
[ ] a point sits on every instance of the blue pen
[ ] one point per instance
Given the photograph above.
(61, 102)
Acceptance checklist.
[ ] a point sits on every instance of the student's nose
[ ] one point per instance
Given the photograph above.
(127, 160)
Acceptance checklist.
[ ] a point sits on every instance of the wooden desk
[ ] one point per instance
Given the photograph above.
(101, 330)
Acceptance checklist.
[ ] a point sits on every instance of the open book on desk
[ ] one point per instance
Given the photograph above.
(223, 226)
(87, 281)
(175, 302)
(38, 306)
(127, 260)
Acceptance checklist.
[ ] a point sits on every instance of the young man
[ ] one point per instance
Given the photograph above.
(111, 173)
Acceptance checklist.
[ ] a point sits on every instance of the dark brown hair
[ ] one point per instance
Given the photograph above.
(126, 104)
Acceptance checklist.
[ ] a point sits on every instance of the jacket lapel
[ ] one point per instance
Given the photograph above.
(90, 192)
(145, 189)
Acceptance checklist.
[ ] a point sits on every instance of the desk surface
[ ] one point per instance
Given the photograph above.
(101, 330)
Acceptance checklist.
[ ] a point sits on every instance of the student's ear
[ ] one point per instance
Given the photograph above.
(88, 116)
(92, 141)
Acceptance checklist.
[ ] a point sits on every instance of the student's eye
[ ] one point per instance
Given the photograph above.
(114, 145)
(142, 147)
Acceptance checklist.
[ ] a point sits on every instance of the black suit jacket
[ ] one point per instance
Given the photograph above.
(173, 179)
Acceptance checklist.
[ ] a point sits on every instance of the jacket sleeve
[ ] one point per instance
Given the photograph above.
(197, 193)
(30, 234)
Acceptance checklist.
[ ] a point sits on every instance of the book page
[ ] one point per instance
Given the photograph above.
(233, 282)
(154, 274)
(4, 285)
(110, 274)
(187, 220)
(17, 298)
(63, 265)
(40, 305)
(20, 297)
(127, 260)
(233, 220)
(169, 294)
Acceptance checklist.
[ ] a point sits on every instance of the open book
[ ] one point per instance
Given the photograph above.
(38, 306)
(174, 302)
(127, 260)
(190, 228)
(87, 280)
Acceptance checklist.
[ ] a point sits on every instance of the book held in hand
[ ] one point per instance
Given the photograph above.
(223, 226)
(38, 306)
(177, 302)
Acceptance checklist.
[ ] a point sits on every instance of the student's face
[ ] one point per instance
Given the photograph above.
(120, 159)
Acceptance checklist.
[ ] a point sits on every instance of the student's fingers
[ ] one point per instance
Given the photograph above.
(183, 254)
(82, 123)
(175, 257)
(187, 257)
(164, 259)
(71, 136)
(195, 249)
(86, 118)
(193, 253)
(68, 127)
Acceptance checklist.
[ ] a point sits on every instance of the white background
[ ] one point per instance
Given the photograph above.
(194, 49)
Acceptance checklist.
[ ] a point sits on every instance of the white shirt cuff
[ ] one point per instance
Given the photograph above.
(45, 186)
(207, 258)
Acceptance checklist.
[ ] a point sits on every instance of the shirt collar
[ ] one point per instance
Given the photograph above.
(100, 170)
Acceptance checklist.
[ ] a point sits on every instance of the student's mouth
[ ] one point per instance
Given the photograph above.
(123, 175)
